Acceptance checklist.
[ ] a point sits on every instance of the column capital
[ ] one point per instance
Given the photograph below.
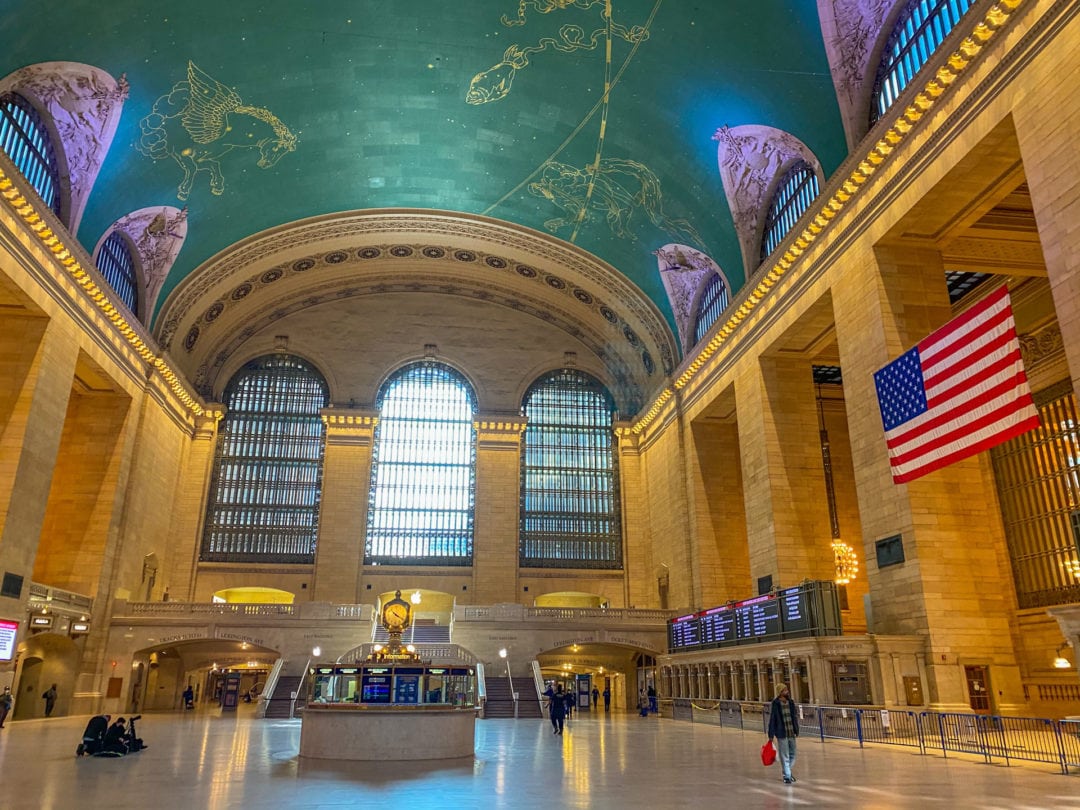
(351, 426)
(496, 429)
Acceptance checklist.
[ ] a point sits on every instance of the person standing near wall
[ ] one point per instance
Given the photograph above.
(6, 702)
(607, 698)
(595, 698)
(49, 696)
(784, 726)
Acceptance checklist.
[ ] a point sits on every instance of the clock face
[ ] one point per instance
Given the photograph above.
(396, 613)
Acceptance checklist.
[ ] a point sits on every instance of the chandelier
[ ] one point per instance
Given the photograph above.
(845, 560)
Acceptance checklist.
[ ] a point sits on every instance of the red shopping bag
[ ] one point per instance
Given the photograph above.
(768, 753)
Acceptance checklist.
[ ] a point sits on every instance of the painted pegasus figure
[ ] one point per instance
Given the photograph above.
(201, 120)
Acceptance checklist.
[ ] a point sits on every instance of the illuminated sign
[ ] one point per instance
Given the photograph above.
(41, 622)
(80, 627)
(8, 631)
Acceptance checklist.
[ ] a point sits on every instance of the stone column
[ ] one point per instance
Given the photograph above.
(189, 508)
(949, 589)
(37, 378)
(1046, 124)
(787, 519)
(498, 499)
(639, 581)
(346, 483)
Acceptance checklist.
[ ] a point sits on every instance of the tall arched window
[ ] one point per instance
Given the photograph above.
(264, 496)
(569, 475)
(25, 140)
(794, 194)
(423, 474)
(713, 301)
(117, 265)
(921, 27)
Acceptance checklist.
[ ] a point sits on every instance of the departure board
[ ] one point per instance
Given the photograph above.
(685, 632)
(757, 618)
(810, 609)
(793, 610)
(718, 625)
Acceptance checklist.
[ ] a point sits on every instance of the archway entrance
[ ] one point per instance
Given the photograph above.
(620, 671)
(161, 674)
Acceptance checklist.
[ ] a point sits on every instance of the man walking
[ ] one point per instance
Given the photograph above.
(49, 696)
(784, 726)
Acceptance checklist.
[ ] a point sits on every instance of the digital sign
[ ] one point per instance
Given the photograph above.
(718, 625)
(810, 609)
(793, 610)
(685, 632)
(8, 631)
(757, 618)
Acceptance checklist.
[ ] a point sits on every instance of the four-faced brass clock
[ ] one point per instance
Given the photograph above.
(396, 614)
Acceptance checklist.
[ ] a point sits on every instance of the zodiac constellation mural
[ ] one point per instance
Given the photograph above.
(618, 189)
(201, 120)
(494, 83)
(607, 190)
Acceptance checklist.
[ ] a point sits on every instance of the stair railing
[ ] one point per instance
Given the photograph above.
(538, 682)
(271, 684)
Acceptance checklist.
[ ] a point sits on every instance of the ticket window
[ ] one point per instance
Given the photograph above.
(851, 683)
(978, 685)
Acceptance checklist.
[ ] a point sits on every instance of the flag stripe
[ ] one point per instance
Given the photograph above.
(960, 391)
(1013, 428)
(969, 366)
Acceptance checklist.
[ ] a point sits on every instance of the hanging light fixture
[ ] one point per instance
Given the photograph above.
(1060, 661)
(845, 560)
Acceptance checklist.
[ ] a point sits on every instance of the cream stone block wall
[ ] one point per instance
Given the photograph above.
(37, 386)
(498, 498)
(75, 532)
(346, 483)
(719, 529)
(664, 473)
(637, 547)
(189, 512)
(1047, 120)
(796, 481)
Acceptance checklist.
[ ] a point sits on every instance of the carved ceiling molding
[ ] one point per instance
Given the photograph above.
(753, 160)
(82, 104)
(281, 249)
(627, 360)
(157, 233)
(853, 30)
(685, 273)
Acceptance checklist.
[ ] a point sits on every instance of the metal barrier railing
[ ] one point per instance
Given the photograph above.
(995, 738)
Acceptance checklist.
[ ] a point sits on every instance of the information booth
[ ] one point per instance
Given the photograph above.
(389, 684)
(390, 706)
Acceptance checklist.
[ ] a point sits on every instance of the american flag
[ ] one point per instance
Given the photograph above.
(960, 391)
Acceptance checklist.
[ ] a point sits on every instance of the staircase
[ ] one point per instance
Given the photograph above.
(421, 631)
(280, 703)
(500, 699)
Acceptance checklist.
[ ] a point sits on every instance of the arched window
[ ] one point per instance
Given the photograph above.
(423, 474)
(794, 194)
(921, 27)
(569, 475)
(117, 265)
(264, 496)
(25, 141)
(713, 301)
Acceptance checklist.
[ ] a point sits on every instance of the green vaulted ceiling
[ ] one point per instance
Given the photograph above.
(488, 107)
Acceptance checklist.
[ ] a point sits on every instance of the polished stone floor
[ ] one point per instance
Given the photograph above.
(203, 760)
